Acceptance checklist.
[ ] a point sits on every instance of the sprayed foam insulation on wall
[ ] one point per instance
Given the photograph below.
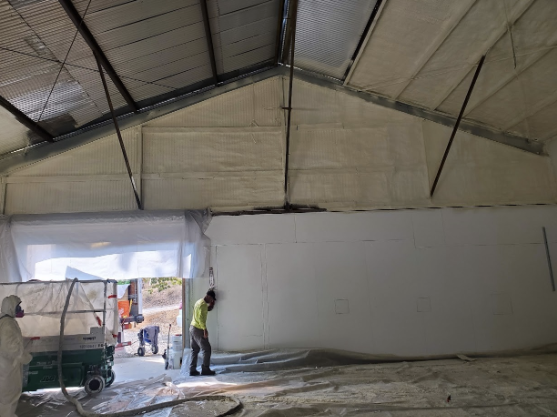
(227, 153)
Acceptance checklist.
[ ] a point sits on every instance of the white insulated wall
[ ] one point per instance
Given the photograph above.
(409, 283)
(228, 153)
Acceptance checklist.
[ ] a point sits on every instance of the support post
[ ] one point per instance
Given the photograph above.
(293, 18)
(124, 153)
(209, 36)
(455, 128)
(184, 315)
(549, 260)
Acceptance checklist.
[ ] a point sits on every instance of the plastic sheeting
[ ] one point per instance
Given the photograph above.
(512, 386)
(43, 303)
(107, 246)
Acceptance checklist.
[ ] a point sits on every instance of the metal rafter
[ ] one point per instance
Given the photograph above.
(279, 31)
(26, 121)
(372, 23)
(209, 37)
(455, 129)
(293, 19)
(88, 37)
(119, 134)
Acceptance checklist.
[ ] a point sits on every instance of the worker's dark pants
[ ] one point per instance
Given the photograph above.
(197, 341)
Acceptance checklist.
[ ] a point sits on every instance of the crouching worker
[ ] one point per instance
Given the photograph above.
(12, 356)
(199, 336)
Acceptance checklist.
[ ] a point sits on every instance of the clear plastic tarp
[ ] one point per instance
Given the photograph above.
(91, 304)
(509, 386)
(104, 246)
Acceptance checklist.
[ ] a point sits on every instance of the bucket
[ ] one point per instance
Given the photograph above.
(124, 309)
(177, 343)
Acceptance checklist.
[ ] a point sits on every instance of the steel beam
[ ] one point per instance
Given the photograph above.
(209, 36)
(548, 255)
(373, 19)
(88, 37)
(26, 121)
(119, 134)
(81, 137)
(293, 18)
(278, 40)
(455, 129)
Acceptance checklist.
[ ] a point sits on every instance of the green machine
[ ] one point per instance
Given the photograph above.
(91, 328)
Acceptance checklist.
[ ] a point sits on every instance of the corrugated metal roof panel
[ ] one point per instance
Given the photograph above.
(165, 56)
(133, 12)
(328, 33)
(33, 79)
(244, 32)
(97, 5)
(119, 56)
(188, 77)
(148, 28)
(181, 65)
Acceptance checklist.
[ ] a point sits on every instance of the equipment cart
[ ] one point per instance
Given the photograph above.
(90, 332)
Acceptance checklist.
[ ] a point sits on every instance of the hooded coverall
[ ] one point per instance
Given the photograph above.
(12, 357)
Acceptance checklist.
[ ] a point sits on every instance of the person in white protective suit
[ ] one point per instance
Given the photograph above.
(12, 357)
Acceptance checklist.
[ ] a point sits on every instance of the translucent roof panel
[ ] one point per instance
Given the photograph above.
(328, 33)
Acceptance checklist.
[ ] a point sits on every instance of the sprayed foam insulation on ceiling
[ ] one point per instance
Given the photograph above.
(425, 52)
(227, 153)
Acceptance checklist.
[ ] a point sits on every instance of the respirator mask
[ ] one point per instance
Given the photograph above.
(19, 312)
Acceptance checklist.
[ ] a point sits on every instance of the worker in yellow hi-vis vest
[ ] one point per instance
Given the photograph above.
(199, 336)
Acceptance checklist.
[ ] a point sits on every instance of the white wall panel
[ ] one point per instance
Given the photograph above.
(293, 296)
(353, 227)
(252, 230)
(340, 272)
(407, 283)
(239, 280)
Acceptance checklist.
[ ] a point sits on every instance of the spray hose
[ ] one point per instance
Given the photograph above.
(128, 413)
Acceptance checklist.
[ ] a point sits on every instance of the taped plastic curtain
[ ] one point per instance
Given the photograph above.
(43, 303)
(111, 245)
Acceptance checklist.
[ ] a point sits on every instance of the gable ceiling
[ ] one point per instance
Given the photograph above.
(421, 53)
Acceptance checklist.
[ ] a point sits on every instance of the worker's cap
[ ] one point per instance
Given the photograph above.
(211, 293)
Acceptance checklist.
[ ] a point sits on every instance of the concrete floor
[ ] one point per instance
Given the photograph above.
(150, 366)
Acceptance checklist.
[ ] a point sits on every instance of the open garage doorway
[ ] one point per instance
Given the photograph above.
(150, 339)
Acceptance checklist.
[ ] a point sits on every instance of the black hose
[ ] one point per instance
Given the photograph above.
(128, 413)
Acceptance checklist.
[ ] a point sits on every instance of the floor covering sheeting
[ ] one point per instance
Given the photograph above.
(503, 386)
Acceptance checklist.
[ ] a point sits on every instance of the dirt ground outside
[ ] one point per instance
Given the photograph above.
(169, 300)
